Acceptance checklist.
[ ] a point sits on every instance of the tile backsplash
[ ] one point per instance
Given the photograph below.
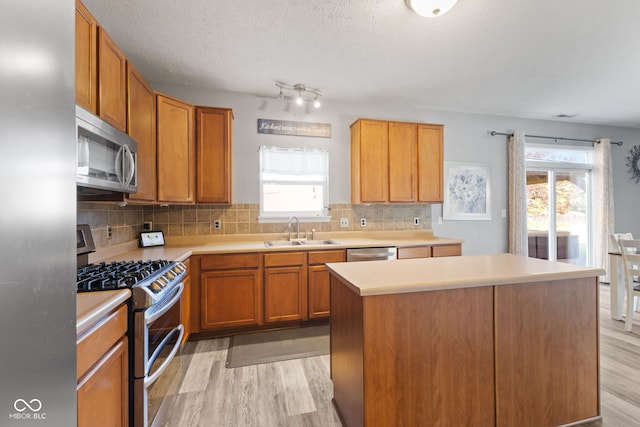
(198, 220)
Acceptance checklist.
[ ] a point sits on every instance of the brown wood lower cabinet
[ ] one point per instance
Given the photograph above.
(428, 251)
(318, 278)
(102, 369)
(230, 291)
(285, 286)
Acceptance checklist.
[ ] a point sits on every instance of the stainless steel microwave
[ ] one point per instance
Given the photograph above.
(106, 156)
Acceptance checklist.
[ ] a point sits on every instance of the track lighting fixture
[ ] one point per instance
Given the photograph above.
(299, 93)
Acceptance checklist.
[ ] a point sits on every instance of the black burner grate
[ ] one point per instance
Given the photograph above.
(116, 275)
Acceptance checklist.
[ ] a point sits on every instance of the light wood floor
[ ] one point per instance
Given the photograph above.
(298, 393)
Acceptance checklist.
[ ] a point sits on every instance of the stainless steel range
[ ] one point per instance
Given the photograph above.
(155, 328)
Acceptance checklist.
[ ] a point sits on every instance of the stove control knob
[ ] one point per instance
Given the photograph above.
(156, 286)
(171, 275)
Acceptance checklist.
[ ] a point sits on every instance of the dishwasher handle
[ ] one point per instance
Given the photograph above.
(371, 254)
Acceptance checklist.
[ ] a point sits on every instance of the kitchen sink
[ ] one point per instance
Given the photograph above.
(320, 242)
(280, 243)
(284, 243)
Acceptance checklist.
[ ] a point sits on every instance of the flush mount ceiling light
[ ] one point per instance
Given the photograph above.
(430, 8)
(299, 93)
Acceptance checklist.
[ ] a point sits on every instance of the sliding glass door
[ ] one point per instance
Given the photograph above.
(559, 207)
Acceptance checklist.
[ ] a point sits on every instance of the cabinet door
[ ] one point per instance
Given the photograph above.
(175, 150)
(370, 161)
(414, 252)
(103, 393)
(213, 153)
(285, 294)
(230, 298)
(86, 59)
(430, 163)
(447, 250)
(318, 292)
(112, 102)
(403, 162)
(141, 103)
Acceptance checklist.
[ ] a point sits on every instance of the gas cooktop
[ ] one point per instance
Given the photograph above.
(149, 280)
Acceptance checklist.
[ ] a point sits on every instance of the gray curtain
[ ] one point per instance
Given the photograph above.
(604, 225)
(518, 243)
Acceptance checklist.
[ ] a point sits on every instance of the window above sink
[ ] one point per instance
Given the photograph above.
(294, 182)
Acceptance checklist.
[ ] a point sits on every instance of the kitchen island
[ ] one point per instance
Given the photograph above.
(482, 340)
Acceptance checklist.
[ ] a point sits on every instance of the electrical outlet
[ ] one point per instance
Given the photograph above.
(109, 232)
(217, 224)
(147, 226)
(416, 221)
(344, 222)
(439, 220)
(363, 222)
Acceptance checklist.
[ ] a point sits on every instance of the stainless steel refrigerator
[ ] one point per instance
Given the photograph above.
(37, 213)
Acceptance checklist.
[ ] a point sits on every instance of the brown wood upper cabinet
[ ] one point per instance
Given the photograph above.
(395, 162)
(430, 173)
(100, 71)
(403, 163)
(112, 82)
(213, 148)
(175, 150)
(86, 59)
(141, 126)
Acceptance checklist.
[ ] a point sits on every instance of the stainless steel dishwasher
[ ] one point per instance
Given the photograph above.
(371, 254)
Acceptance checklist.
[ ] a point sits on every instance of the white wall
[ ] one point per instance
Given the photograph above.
(466, 139)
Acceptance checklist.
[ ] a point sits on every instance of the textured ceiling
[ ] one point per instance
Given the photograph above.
(520, 58)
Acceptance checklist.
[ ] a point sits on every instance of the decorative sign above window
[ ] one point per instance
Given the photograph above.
(282, 127)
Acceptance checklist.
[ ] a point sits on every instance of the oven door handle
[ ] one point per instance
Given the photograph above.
(150, 379)
(166, 306)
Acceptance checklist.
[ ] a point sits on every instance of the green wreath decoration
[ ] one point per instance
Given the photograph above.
(633, 160)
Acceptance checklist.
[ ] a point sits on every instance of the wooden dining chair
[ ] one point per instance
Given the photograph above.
(630, 250)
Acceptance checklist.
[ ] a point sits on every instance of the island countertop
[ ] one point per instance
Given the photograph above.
(429, 274)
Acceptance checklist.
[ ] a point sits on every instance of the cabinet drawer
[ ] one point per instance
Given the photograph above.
(92, 345)
(414, 252)
(281, 259)
(229, 261)
(323, 257)
(447, 250)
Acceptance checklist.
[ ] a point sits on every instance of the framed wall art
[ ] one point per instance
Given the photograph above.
(467, 191)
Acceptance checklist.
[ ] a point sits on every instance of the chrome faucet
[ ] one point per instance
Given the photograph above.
(297, 227)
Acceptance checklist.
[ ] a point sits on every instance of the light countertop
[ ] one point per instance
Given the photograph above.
(181, 248)
(92, 306)
(428, 274)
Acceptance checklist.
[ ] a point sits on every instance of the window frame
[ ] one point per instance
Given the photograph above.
(303, 216)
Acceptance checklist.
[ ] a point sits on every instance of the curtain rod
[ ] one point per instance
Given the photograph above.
(557, 138)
